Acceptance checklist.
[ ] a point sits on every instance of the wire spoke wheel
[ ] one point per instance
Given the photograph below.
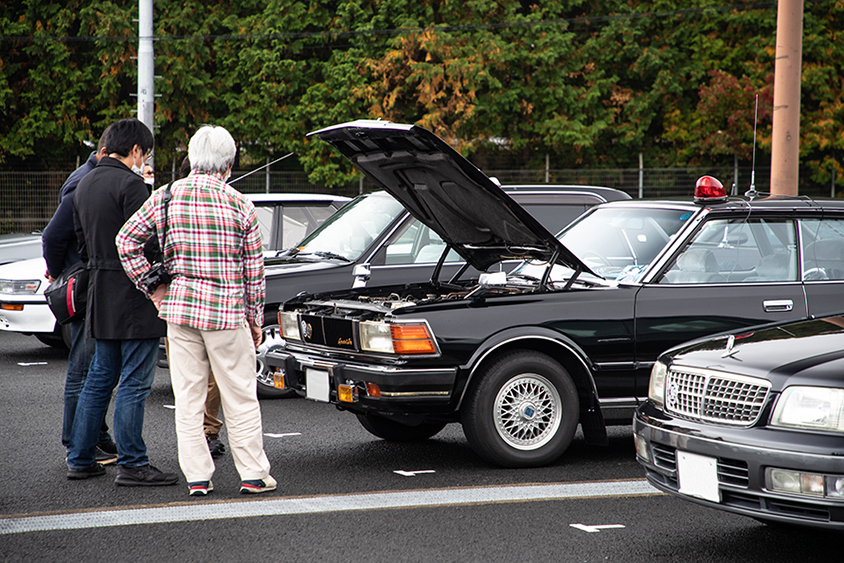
(521, 410)
(527, 411)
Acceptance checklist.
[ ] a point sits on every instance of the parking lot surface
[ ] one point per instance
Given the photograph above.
(344, 495)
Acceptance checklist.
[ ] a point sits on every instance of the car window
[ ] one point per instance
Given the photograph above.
(619, 243)
(350, 231)
(737, 251)
(266, 215)
(298, 221)
(416, 243)
(823, 249)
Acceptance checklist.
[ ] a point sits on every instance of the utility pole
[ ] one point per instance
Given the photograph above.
(146, 66)
(785, 146)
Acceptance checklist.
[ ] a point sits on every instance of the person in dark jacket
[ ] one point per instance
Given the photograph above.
(122, 321)
(59, 245)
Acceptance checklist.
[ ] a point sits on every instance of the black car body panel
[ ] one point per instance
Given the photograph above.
(657, 273)
(389, 246)
(804, 354)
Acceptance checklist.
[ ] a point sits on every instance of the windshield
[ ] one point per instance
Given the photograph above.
(350, 231)
(617, 243)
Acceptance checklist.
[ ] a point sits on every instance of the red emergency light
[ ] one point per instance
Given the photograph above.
(709, 189)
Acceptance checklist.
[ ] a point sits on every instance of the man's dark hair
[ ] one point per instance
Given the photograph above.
(102, 144)
(125, 134)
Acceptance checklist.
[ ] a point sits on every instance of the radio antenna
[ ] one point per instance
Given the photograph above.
(751, 193)
(239, 178)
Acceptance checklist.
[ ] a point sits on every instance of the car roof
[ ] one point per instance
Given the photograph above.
(602, 192)
(775, 203)
(295, 197)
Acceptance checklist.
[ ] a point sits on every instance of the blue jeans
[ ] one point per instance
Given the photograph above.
(78, 361)
(131, 364)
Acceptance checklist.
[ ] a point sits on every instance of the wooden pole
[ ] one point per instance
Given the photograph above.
(785, 144)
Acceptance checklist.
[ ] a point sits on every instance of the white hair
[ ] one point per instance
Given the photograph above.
(211, 149)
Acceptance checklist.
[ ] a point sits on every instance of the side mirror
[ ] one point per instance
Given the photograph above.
(361, 273)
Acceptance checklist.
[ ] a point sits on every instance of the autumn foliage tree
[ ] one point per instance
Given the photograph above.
(589, 84)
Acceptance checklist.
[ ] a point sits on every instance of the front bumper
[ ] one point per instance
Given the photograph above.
(742, 455)
(402, 390)
(26, 315)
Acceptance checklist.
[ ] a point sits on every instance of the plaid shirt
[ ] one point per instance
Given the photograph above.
(212, 249)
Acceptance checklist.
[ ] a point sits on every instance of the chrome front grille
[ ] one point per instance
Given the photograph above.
(713, 396)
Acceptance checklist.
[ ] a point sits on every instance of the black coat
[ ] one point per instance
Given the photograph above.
(103, 202)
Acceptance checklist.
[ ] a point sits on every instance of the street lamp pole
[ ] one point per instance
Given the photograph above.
(146, 66)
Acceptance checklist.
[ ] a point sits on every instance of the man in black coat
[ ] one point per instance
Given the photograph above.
(122, 321)
(59, 245)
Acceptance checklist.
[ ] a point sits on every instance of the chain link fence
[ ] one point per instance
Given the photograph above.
(28, 199)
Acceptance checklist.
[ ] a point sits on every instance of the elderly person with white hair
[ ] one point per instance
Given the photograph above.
(213, 305)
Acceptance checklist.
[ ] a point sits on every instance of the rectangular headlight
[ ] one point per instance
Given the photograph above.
(810, 408)
(397, 338)
(376, 337)
(288, 324)
(656, 387)
(19, 287)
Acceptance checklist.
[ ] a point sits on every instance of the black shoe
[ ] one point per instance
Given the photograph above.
(106, 444)
(144, 476)
(93, 470)
(104, 457)
(215, 446)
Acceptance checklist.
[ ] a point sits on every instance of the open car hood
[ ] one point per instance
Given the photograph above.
(447, 193)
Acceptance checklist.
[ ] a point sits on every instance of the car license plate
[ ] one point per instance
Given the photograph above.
(698, 476)
(317, 385)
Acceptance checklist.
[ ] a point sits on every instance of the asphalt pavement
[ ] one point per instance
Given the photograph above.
(345, 496)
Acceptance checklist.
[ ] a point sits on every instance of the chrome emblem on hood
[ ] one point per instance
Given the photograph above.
(306, 329)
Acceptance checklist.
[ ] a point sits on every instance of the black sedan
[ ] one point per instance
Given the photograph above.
(522, 357)
(374, 240)
(751, 422)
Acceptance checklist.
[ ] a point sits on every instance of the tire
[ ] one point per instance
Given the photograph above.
(522, 411)
(65, 330)
(393, 431)
(266, 389)
(53, 339)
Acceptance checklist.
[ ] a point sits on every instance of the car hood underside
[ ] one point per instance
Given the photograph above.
(447, 193)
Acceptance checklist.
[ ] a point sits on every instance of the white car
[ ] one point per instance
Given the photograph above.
(285, 219)
(23, 307)
(19, 246)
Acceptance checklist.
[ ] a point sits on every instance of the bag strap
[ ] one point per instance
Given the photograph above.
(168, 195)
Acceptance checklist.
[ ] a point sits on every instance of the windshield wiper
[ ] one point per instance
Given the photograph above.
(330, 255)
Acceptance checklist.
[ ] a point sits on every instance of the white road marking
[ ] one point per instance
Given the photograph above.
(181, 512)
(284, 435)
(413, 473)
(593, 529)
(27, 364)
(171, 407)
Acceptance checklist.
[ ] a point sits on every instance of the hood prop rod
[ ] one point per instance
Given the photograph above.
(435, 275)
(543, 283)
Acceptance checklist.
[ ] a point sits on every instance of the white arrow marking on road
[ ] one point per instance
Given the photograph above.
(282, 435)
(413, 473)
(27, 364)
(593, 529)
(171, 407)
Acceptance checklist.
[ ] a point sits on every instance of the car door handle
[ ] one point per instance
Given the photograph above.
(778, 305)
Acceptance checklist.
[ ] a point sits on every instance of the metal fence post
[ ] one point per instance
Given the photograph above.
(641, 177)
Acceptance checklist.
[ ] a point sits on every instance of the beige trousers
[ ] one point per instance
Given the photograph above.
(230, 354)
